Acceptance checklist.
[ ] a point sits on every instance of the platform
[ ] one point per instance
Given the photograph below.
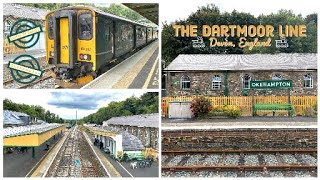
(136, 72)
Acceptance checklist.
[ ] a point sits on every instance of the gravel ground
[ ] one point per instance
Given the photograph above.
(231, 159)
(194, 160)
(212, 160)
(308, 159)
(289, 159)
(302, 174)
(163, 159)
(231, 174)
(276, 174)
(253, 174)
(251, 160)
(175, 160)
(270, 159)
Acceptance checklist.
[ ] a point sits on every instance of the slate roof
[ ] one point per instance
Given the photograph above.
(216, 62)
(143, 120)
(20, 11)
(12, 117)
(129, 141)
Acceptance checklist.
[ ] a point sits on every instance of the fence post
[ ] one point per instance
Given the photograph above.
(252, 99)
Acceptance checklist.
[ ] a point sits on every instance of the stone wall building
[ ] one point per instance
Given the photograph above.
(230, 74)
(144, 126)
(14, 12)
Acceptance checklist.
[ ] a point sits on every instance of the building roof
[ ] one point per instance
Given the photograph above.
(29, 129)
(142, 120)
(20, 11)
(13, 118)
(217, 62)
(129, 141)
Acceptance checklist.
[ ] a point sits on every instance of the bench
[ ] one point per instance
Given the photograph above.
(274, 108)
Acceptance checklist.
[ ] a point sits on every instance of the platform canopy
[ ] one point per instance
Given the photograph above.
(31, 135)
(147, 10)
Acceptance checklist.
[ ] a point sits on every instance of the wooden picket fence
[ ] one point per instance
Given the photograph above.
(244, 103)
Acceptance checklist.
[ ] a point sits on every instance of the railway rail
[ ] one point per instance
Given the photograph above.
(47, 81)
(76, 159)
(240, 163)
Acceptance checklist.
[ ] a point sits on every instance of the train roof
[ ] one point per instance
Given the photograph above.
(98, 11)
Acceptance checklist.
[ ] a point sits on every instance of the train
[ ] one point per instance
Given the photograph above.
(82, 40)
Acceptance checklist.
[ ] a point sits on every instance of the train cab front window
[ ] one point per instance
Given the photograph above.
(50, 27)
(85, 26)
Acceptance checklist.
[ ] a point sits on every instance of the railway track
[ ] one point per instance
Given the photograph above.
(76, 159)
(240, 163)
(47, 81)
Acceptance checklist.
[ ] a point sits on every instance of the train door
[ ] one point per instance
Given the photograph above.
(65, 37)
(64, 40)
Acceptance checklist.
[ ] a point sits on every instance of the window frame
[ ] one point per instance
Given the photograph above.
(243, 81)
(91, 25)
(182, 81)
(276, 77)
(310, 81)
(216, 87)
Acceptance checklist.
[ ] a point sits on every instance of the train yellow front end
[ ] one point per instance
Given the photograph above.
(70, 45)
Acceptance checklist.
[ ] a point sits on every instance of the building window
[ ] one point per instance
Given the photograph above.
(307, 81)
(277, 77)
(246, 81)
(7, 27)
(216, 82)
(185, 82)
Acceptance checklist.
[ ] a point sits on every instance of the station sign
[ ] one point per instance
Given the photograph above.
(271, 84)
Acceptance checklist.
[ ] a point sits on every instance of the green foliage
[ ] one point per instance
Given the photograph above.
(116, 9)
(146, 104)
(200, 105)
(33, 111)
(226, 110)
(210, 14)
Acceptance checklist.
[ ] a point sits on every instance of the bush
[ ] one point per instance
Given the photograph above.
(200, 106)
(227, 110)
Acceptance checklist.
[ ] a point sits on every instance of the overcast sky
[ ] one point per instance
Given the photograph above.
(66, 103)
(174, 10)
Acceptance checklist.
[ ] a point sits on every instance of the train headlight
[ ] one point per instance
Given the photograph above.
(51, 53)
(86, 57)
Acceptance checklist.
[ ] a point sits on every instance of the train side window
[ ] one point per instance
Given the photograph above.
(85, 26)
(50, 27)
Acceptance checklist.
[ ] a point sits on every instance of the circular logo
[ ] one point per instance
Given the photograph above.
(25, 69)
(24, 33)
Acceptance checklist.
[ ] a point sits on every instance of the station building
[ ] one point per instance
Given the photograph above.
(230, 74)
(116, 141)
(14, 12)
(144, 126)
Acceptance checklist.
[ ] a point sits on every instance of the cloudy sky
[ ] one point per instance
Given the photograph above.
(65, 103)
(174, 10)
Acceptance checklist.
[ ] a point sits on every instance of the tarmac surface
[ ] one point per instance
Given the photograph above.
(19, 164)
(243, 121)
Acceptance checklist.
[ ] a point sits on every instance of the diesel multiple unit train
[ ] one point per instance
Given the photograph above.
(81, 41)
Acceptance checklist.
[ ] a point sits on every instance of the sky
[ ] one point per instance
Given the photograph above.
(65, 103)
(174, 10)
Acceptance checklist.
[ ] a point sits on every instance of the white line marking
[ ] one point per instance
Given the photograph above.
(125, 169)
